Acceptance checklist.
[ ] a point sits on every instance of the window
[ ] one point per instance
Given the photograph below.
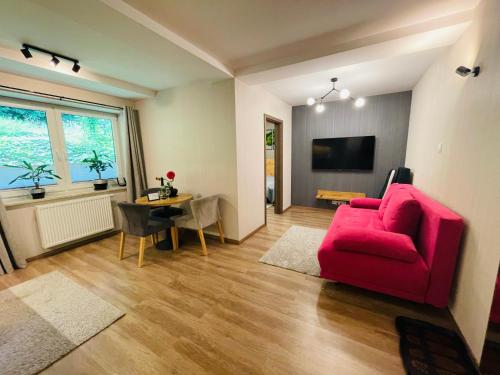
(24, 136)
(82, 135)
(60, 139)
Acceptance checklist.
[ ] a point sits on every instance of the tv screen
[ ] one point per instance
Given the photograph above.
(349, 153)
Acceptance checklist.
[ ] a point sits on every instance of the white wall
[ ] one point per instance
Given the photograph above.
(464, 115)
(191, 130)
(252, 102)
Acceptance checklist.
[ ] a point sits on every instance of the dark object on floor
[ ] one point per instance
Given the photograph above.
(490, 360)
(427, 349)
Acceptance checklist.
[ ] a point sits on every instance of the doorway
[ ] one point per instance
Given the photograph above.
(273, 165)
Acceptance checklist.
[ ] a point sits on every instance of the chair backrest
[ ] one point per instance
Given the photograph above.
(186, 206)
(135, 218)
(205, 210)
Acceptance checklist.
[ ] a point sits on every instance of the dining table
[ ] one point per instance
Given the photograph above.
(165, 244)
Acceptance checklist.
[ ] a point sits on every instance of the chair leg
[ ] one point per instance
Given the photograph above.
(221, 232)
(155, 238)
(122, 246)
(202, 240)
(175, 239)
(142, 246)
(152, 237)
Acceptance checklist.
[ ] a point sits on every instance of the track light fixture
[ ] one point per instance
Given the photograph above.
(54, 61)
(464, 71)
(56, 57)
(343, 94)
(26, 52)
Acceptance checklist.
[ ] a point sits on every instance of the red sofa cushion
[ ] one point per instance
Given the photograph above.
(375, 242)
(346, 216)
(402, 214)
(370, 203)
(386, 199)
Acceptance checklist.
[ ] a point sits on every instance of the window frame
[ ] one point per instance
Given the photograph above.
(58, 144)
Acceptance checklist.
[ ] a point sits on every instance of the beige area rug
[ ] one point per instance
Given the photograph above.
(43, 319)
(297, 250)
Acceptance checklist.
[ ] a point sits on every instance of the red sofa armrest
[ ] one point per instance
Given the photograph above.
(375, 242)
(370, 203)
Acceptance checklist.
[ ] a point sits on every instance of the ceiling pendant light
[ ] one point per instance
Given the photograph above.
(344, 94)
(359, 102)
(54, 61)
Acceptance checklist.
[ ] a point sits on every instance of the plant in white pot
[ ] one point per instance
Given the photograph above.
(34, 174)
(99, 164)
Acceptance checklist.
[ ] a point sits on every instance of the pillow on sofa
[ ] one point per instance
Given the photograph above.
(402, 214)
(386, 199)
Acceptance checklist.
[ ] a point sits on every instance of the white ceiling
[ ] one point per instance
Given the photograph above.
(132, 48)
(245, 33)
(106, 42)
(382, 68)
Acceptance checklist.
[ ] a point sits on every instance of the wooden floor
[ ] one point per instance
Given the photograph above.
(227, 313)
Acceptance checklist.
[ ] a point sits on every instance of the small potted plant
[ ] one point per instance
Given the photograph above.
(170, 179)
(34, 174)
(98, 164)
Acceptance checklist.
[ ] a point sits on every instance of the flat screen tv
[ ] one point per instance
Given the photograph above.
(344, 154)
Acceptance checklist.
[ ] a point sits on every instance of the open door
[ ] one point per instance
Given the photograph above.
(273, 165)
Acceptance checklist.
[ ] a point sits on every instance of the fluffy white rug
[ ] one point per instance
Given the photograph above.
(297, 250)
(43, 319)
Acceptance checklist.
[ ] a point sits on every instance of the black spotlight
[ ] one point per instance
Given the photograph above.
(76, 68)
(26, 52)
(464, 71)
(54, 61)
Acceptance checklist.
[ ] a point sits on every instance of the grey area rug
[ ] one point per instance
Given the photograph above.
(43, 319)
(297, 250)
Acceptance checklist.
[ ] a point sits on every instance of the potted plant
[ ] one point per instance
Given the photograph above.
(34, 174)
(98, 164)
(170, 179)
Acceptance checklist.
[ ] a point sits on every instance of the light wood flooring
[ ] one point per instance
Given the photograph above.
(227, 313)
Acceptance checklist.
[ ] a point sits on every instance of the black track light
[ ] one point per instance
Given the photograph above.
(76, 68)
(26, 52)
(54, 61)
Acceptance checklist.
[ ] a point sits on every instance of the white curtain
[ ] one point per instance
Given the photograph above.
(134, 155)
(11, 254)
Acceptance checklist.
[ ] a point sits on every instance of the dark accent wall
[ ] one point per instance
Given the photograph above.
(384, 116)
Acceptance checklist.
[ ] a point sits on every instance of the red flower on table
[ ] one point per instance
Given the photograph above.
(171, 175)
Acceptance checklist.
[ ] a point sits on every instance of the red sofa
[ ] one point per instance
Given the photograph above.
(404, 245)
(495, 308)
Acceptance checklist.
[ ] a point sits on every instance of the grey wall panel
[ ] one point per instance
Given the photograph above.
(384, 116)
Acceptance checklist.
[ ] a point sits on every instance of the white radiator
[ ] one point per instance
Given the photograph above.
(67, 221)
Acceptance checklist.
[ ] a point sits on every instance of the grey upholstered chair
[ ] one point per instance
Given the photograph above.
(162, 212)
(137, 222)
(203, 213)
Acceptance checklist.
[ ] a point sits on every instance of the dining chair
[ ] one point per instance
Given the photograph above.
(137, 222)
(162, 212)
(203, 212)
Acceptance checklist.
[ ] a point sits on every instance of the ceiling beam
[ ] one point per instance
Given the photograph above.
(142, 19)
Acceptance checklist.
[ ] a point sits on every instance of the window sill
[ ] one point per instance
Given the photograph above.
(26, 201)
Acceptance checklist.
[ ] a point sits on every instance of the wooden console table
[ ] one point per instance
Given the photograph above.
(338, 197)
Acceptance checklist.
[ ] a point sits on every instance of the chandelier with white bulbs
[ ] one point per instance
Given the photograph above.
(343, 94)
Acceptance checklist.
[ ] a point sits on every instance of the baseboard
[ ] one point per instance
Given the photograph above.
(72, 245)
(286, 209)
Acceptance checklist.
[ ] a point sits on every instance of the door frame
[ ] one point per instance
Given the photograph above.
(278, 165)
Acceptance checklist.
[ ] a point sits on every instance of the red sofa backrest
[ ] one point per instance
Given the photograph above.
(438, 241)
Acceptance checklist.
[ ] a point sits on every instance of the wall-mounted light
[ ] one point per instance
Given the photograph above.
(56, 57)
(464, 71)
(343, 94)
